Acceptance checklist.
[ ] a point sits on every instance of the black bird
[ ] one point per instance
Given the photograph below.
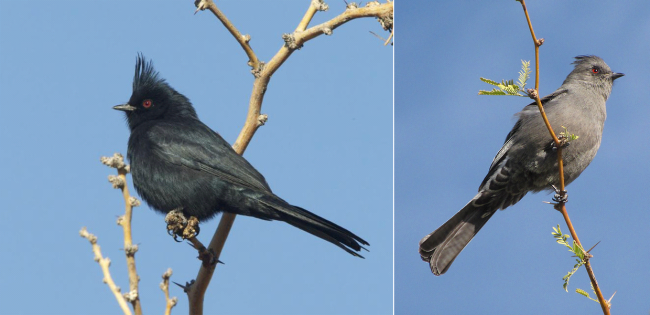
(527, 162)
(179, 162)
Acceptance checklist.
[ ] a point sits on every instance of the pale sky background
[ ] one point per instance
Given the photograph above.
(327, 147)
(446, 136)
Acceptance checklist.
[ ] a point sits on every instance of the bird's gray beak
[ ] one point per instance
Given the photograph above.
(615, 75)
(124, 107)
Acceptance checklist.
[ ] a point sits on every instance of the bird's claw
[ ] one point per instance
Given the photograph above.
(563, 143)
(561, 196)
(178, 225)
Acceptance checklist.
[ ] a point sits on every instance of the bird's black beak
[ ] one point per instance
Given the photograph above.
(615, 75)
(124, 107)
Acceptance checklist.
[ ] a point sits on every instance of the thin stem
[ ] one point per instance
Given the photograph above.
(311, 11)
(254, 62)
(603, 303)
(129, 249)
(164, 286)
(105, 263)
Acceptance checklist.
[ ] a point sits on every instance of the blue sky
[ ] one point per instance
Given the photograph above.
(327, 147)
(446, 136)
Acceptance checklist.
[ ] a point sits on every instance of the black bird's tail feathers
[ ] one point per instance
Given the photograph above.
(315, 225)
(443, 245)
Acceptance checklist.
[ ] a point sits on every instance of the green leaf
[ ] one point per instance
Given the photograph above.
(493, 92)
(508, 87)
(574, 248)
(524, 74)
(585, 294)
(488, 81)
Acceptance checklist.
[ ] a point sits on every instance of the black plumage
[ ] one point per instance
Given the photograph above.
(179, 162)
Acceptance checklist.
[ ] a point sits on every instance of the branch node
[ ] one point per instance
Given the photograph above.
(351, 6)
(115, 161)
(532, 93)
(131, 250)
(386, 21)
(201, 5)
(327, 31)
(319, 5)
(134, 202)
(167, 274)
(187, 285)
(90, 237)
(290, 41)
(246, 38)
(120, 220)
(609, 302)
(257, 72)
(261, 119)
(372, 4)
(117, 181)
(131, 296)
(539, 42)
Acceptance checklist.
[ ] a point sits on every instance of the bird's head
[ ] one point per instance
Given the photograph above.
(593, 71)
(153, 98)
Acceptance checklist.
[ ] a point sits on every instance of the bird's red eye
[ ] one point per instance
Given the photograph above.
(147, 103)
(595, 70)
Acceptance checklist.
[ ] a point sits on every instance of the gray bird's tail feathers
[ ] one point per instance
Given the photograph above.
(315, 225)
(443, 245)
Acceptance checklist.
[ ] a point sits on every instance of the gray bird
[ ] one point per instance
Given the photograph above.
(528, 159)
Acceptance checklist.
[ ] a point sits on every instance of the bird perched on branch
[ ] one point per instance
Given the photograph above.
(177, 162)
(527, 162)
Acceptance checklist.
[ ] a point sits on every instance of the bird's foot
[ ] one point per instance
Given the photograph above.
(564, 142)
(178, 225)
(561, 197)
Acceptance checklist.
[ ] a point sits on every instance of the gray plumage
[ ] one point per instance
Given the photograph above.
(527, 162)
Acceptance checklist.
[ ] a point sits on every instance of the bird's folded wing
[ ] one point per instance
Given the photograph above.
(204, 150)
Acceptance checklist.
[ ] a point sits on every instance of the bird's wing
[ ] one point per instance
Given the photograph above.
(530, 109)
(200, 148)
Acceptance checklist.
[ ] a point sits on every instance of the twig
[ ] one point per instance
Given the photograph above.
(389, 37)
(243, 40)
(165, 287)
(105, 263)
(254, 118)
(117, 161)
(603, 303)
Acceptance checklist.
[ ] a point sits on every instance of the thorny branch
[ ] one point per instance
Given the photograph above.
(561, 203)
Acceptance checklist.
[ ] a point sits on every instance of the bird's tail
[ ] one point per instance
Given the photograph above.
(315, 225)
(443, 245)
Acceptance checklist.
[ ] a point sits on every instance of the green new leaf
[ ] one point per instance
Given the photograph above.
(493, 92)
(567, 135)
(509, 87)
(524, 74)
(585, 294)
(574, 248)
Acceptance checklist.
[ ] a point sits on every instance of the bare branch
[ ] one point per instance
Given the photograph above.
(164, 286)
(105, 263)
(119, 181)
(243, 40)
